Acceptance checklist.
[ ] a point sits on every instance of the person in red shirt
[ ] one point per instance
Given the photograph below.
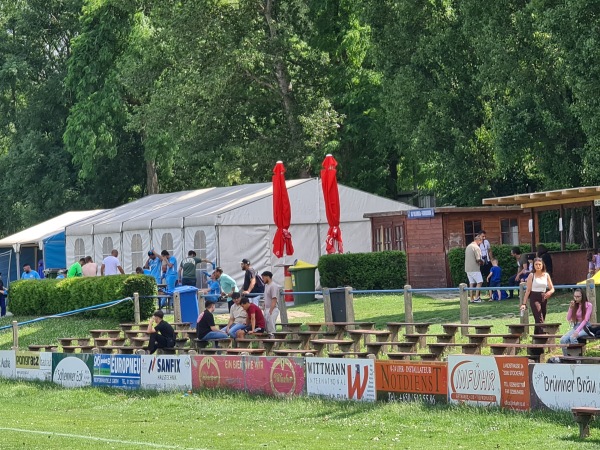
(255, 323)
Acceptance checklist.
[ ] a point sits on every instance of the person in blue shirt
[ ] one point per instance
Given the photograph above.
(154, 265)
(29, 274)
(493, 279)
(213, 293)
(171, 270)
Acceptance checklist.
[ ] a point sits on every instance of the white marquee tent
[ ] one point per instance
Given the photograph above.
(225, 225)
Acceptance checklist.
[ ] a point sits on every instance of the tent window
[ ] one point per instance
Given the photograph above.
(166, 243)
(107, 247)
(79, 249)
(137, 253)
(200, 246)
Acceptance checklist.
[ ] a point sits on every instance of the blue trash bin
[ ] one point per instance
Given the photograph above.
(188, 303)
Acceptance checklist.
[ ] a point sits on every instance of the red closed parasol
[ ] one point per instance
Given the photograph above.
(332, 205)
(282, 213)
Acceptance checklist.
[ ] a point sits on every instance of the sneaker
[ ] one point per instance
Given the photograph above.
(477, 300)
(271, 336)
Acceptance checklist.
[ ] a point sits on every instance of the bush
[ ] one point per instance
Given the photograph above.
(368, 271)
(47, 297)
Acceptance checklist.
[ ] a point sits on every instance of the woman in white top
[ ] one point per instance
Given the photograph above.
(539, 290)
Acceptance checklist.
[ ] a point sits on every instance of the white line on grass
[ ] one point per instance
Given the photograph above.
(100, 439)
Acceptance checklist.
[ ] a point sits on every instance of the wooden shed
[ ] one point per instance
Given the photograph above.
(426, 235)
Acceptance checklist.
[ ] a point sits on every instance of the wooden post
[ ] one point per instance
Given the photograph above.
(594, 225)
(464, 306)
(136, 307)
(327, 305)
(525, 317)
(349, 297)
(590, 292)
(408, 308)
(176, 307)
(283, 317)
(561, 213)
(15, 330)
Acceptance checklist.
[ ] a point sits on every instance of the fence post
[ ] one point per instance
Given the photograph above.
(327, 304)
(15, 330)
(176, 307)
(282, 306)
(590, 292)
(349, 299)
(136, 307)
(464, 306)
(525, 317)
(408, 308)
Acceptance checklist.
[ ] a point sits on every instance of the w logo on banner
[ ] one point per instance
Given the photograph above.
(356, 385)
(152, 365)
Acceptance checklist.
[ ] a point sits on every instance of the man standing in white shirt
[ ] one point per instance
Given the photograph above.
(271, 297)
(111, 265)
(473, 262)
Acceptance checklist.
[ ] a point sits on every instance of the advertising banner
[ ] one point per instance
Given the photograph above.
(489, 380)
(34, 365)
(72, 370)
(120, 371)
(563, 386)
(274, 375)
(7, 364)
(218, 372)
(341, 379)
(166, 372)
(409, 381)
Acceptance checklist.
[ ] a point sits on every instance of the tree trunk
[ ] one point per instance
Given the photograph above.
(151, 178)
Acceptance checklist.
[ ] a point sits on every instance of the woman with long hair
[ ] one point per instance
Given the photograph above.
(580, 311)
(539, 290)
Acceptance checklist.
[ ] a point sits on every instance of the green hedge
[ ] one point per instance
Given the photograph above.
(46, 297)
(456, 260)
(368, 271)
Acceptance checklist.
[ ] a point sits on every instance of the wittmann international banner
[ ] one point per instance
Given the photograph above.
(347, 379)
(34, 366)
(563, 386)
(72, 370)
(218, 372)
(166, 372)
(120, 371)
(489, 380)
(409, 381)
(7, 364)
(273, 375)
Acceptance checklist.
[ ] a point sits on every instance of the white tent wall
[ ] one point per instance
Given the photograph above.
(174, 237)
(136, 245)
(79, 246)
(203, 240)
(104, 244)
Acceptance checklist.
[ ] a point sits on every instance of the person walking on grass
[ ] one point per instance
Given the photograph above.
(580, 311)
(162, 334)
(494, 278)
(473, 263)
(539, 290)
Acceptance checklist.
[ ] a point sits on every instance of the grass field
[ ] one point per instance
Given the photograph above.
(38, 415)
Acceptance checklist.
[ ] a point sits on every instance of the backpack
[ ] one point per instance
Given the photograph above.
(259, 284)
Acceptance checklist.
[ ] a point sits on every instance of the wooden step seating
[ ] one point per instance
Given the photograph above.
(294, 327)
(43, 347)
(271, 344)
(452, 328)
(419, 327)
(108, 333)
(439, 348)
(339, 328)
(233, 351)
(545, 338)
(104, 341)
(482, 339)
(307, 336)
(74, 341)
(119, 349)
(293, 352)
(347, 354)
(73, 348)
(520, 328)
(201, 345)
(421, 339)
(356, 335)
(535, 351)
(579, 359)
(376, 348)
(413, 355)
(319, 345)
(252, 340)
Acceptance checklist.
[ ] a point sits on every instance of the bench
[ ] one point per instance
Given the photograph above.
(545, 338)
(452, 328)
(201, 344)
(468, 349)
(121, 349)
(481, 339)
(306, 336)
(583, 416)
(376, 347)
(293, 352)
(512, 349)
(410, 355)
(293, 326)
(110, 333)
(355, 335)
(78, 341)
(519, 328)
(43, 348)
(81, 348)
(270, 344)
(347, 354)
(421, 339)
(241, 351)
(320, 344)
(339, 327)
(101, 342)
(394, 327)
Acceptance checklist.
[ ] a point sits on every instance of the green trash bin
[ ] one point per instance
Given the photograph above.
(303, 280)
